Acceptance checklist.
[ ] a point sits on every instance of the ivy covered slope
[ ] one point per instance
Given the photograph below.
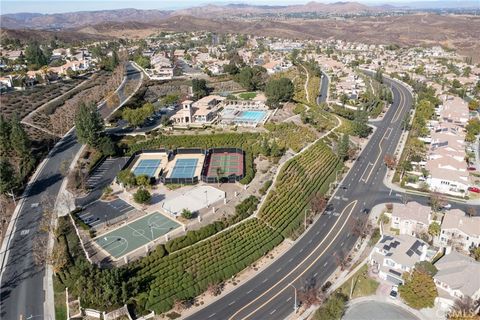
(302, 178)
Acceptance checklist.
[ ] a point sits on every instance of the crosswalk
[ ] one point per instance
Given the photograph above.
(97, 175)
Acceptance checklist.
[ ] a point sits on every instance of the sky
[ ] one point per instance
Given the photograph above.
(49, 6)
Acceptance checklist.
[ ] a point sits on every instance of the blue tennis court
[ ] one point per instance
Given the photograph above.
(146, 167)
(184, 168)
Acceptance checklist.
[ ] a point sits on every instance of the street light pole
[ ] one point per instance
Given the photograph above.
(295, 306)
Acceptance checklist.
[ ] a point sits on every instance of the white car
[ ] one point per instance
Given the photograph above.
(394, 292)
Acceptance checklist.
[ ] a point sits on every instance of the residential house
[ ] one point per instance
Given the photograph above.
(457, 277)
(459, 230)
(203, 111)
(446, 155)
(411, 218)
(392, 256)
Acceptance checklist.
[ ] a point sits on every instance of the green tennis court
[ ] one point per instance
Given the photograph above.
(136, 234)
(228, 163)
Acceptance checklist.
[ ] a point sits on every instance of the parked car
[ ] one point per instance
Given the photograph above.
(474, 189)
(394, 292)
(446, 206)
(471, 169)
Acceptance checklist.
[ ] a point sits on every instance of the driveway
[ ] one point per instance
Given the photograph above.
(376, 310)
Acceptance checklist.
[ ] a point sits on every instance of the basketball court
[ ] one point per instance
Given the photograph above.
(135, 234)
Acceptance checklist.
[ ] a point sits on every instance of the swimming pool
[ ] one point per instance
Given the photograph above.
(251, 115)
(243, 117)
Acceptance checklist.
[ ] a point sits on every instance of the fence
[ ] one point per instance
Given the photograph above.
(230, 178)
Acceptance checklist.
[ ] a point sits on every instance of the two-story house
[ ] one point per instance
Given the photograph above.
(411, 218)
(393, 256)
(459, 231)
(458, 276)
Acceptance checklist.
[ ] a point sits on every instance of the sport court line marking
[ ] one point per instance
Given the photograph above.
(300, 264)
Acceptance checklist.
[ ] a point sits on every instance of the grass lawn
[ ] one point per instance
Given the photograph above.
(247, 95)
(363, 285)
(60, 305)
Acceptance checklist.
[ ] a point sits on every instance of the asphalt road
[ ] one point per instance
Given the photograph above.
(22, 287)
(323, 92)
(312, 258)
(375, 310)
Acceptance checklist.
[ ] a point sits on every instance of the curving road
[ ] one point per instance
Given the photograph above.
(311, 260)
(22, 282)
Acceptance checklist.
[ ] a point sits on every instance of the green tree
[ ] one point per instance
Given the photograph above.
(21, 146)
(343, 147)
(333, 308)
(231, 68)
(434, 229)
(187, 214)
(127, 178)
(277, 91)
(106, 146)
(143, 180)
(426, 267)
(418, 290)
(359, 126)
(142, 196)
(142, 61)
(89, 125)
(35, 56)
(475, 253)
(170, 99)
(18, 137)
(473, 104)
(114, 61)
(4, 136)
(199, 88)
(137, 117)
(7, 174)
(379, 75)
(252, 78)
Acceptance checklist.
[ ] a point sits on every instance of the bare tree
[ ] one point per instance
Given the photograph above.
(390, 161)
(318, 203)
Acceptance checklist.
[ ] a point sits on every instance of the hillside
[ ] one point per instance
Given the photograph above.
(26, 35)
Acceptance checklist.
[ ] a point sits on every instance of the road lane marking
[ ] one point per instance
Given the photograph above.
(300, 263)
(363, 174)
(274, 310)
(249, 291)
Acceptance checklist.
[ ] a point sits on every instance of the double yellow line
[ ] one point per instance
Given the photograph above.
(320, 255)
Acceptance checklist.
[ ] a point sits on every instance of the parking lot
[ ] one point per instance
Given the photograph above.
(101, 212)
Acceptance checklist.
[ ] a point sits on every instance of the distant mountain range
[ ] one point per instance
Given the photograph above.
(78, 19)
(72, 20)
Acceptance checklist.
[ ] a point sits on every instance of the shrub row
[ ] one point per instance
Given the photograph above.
(300, 179)
(242, 211)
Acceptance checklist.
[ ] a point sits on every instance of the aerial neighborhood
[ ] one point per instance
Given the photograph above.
(227, 162)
